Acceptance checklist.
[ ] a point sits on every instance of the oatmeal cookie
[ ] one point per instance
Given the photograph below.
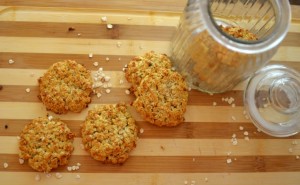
(162, 98)
(141, 66)
(66, 86)
(46, 144)
(109, 133)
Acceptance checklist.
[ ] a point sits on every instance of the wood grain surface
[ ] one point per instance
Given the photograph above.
(35, 34)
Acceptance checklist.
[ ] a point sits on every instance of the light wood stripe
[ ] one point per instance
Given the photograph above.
(81, 46)
(168, 164)
(222, 178)
(193, 113)
(187, 147)
(92, 15)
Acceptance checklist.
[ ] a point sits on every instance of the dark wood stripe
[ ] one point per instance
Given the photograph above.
(168, 164)
(99, 31)
(118, 94)
(43, 61)
(186, 130)
(94, 31)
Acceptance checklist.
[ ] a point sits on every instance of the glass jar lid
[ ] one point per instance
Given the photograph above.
(272, 100)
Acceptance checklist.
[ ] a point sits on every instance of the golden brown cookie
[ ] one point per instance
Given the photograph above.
(46, 144)
(66, 86)
(109, 133)
(162, 98)
(141, 66)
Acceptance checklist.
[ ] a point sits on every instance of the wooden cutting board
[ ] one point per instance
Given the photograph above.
(35, 34)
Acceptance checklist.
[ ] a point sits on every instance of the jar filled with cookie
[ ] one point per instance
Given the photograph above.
(220, 43)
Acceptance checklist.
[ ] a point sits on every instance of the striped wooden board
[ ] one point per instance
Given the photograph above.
(35, 35)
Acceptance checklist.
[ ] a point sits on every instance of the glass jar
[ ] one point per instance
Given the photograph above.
(272, 100)
(214, 62)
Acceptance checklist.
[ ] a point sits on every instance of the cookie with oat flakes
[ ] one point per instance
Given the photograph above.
(141, 66)
(66, 86)
(161, 98)
(109, 133)
(46, 144)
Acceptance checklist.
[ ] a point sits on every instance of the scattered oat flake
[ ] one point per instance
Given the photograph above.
(27, 90)
(214, 103)
(205, 179)
(193, 182)
(229, 161)
(11, 61)
(109, 26)
(95, 64)
(74, 168)
(211, 94)
(246, 138)
(233, 118)
(109, 85)
(77, 176)
(21, 161)
(121, 81)
(104, 19)
(246, 133)
(119, 59)
(127, 91)
(233, 136)
(50, 117)
(295, 142)
(107, 59)
(141, 130)
(233, 105)
(185, 182)
(78, 164)
(58, 175)
(241, 128)
(90, 55)
(107, 91)
(291, 150)
(37, 177)
(119, 44)
(18, 137)
(234, 141)
(297, 157)
(129, 18)
(107, 78)
(5, 165)
(228, 153)
(69, 168)
(79, 34)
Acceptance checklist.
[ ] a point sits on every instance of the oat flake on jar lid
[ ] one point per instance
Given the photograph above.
(214, 60)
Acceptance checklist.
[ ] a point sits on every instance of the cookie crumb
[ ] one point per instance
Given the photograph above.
(95, 64)
(229, 161)
(141, 130)
(127, 92)
(104, 19)
(21, 161)
(109, 26)
(11, 61)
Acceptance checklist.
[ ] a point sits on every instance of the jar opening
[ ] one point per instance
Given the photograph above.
(254, 17)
